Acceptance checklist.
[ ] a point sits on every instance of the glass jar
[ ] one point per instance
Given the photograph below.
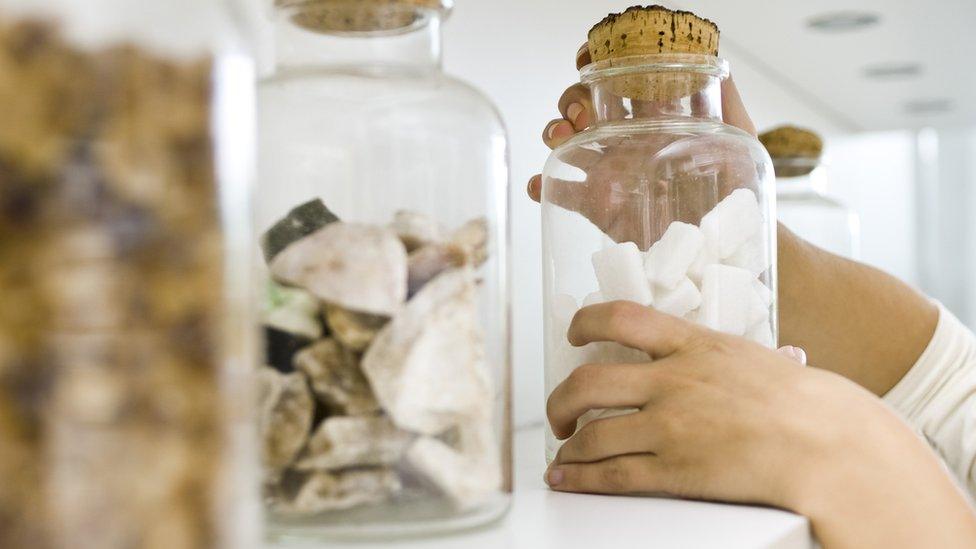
(805, 208)
(383, 197)
(125, 172)
(660, 203)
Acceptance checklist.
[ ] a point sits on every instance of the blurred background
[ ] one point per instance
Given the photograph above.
(887, 83)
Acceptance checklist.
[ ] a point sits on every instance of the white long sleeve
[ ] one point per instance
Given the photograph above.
(937, 397)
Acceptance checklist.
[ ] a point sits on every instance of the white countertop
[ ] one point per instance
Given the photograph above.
(541, 519)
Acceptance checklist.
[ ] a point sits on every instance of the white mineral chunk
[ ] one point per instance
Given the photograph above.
(620, 272)
(762, 333)
(353, 441)
(472, 237)
(431, 260)
(684, 298)
(668, 260)
(335, 491)
(285, 417)
(465, 478)
(292, 310)
(427, 365)
(360, 267)
(732, 222)
(415, 229)
(336, 378)
(751, 256)
(564, 358)
(728, 299)
(706, 256)
(593, 298)
(763, 291)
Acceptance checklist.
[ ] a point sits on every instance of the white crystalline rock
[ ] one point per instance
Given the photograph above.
(292, 310)
(732, 222)
(416, 229)
(466, 478)
(360, 267)
(706, 256)
(564, 357)
(593, 298)
(668, 260)
(353, 441)
(751, 256)
(620, 272)
(762, 333)
(427, 365)
(728, 299)
(763, 291)
(684, 298)
(758, 307)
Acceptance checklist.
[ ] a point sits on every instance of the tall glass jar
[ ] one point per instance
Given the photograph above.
(659, 203)
(125, 168)
(805, 208)
(383, 197)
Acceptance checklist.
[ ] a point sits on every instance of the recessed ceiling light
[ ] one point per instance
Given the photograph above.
(893, 70)
(928, 106)
(843, 21)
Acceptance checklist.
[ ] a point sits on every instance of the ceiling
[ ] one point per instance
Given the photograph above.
(826, 69)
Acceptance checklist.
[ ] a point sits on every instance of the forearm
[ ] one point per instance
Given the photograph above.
(850, 318)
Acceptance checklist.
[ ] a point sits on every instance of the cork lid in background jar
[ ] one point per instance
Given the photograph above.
(795, 151)
(363, 16)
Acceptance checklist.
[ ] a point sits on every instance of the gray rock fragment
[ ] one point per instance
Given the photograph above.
(360, 267)
(426, 366)
(336, 379)
(285, 417)
(300, 222)
(341, 442)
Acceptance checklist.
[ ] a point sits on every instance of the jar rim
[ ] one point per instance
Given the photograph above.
(708, 65)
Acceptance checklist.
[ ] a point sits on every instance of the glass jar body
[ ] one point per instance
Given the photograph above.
(125, 192)
(662, 204)
(825, 222)
(403, 169)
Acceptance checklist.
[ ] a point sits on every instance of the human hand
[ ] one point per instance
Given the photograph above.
(725, 419)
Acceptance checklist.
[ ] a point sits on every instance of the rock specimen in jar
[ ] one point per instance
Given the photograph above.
(341, 442)
(285, 408)
(300, 222)
(403, 358)
(333, 371)
(360, 267)
(293, 310)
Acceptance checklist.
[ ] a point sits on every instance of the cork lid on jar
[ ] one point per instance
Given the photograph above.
(795, 151)
(652, 29)
(362, 16)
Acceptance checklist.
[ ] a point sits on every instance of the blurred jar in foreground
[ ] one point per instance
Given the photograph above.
(382, 197)
(125, 157)
(801, 200)
(659, 202)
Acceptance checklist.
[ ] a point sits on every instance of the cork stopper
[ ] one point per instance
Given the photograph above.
(362, 16)
(795, 151)
(654, 30)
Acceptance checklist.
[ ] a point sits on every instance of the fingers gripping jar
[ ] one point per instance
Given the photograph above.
(125, 172)
(382, 197)
(659, 202)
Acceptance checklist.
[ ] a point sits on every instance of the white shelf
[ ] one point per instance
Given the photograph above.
(541, 519)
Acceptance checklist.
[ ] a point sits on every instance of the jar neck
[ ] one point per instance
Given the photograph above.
(656, 86)
(305, 38)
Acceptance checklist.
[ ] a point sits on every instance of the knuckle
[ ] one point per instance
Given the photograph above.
(580, 378)
(587, 438)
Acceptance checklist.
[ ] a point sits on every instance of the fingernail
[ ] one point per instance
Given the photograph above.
(554, 477)
(573, 112)
(801, 355)
(552, 128)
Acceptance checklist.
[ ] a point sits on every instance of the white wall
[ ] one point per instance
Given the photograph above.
(521, 53)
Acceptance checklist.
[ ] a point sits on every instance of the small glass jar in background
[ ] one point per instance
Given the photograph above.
(125, 336)
(803, 204)
(659, 202)
(382, 196)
